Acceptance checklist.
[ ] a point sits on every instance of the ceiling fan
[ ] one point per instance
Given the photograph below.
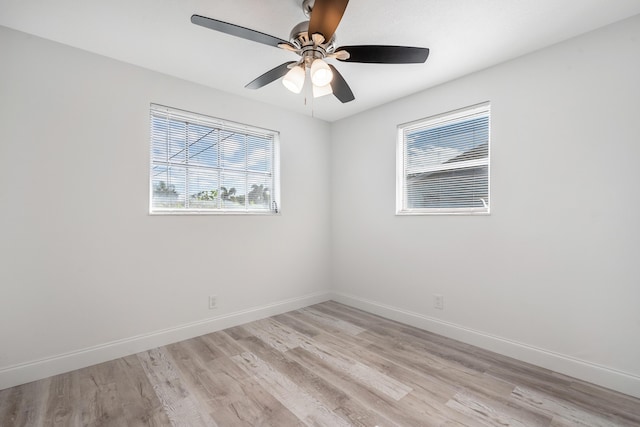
(314, 40)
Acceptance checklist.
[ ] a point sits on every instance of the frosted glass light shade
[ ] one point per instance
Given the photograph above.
(294, 79)
(319, 91)
(321, 74)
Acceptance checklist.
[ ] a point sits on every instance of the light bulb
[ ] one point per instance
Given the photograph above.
(321, 74)
(319, 91)
(294, 79)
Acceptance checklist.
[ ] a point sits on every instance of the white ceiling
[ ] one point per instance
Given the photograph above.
(464, 36)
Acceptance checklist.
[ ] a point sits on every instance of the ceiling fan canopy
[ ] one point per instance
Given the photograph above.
(314, 41)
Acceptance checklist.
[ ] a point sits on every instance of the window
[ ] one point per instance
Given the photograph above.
(443, 163)
(200, 164)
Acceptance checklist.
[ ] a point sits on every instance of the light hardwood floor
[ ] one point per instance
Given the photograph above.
(325, 365)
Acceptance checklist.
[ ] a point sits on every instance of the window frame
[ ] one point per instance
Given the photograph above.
(222, 125)
(470, 112)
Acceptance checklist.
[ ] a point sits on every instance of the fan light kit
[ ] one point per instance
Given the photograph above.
(294, 79)
(314, 41)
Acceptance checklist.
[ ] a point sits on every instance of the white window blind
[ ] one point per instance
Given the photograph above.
(201, 164)
(443, 163)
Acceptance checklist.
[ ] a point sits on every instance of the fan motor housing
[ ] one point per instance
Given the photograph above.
(299, 37)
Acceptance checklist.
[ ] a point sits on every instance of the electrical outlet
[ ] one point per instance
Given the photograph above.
(438, 301)
(213, 302)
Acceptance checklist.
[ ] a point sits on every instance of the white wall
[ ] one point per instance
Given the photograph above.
(82, 264)
(551, 276)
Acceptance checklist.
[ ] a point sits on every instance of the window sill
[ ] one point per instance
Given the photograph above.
(207, 213)
(443, 212)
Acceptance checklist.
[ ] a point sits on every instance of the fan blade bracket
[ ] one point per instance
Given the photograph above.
(317, 39)
(340, 55)
(289, 47)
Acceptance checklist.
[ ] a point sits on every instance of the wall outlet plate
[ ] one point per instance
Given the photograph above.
(213, 302)
(438, 301)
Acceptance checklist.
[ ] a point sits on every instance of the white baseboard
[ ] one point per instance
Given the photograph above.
(597, 374)
(38, 369)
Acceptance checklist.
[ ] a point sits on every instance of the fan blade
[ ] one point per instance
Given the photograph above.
(375, 54)
(238, 31)
(340, 88)
(270, 76)
(325, 17)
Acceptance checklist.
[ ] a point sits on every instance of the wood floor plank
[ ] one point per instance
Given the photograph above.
(180, 405)
(237, 332)
(63, 397)
(560, 409)
(284, 338)
(392, 332)
(484, 414)
(385, 353)
(411, 346)
(205, 385)
(384, 405)
(31, 408)
(332, 322)
(358, 371)
(413, 341)
(454, 351)
(9, 402)
(455, 375)
(137, 397)
(306, 407)
(248, 401)
(301, 327)
(275, 334)
(602, 400)
(232, 397)
(100, 404)
(324, 365)
(299, 317)
(221, 342)
(491, 412)
(419, 381)
(331, 396)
